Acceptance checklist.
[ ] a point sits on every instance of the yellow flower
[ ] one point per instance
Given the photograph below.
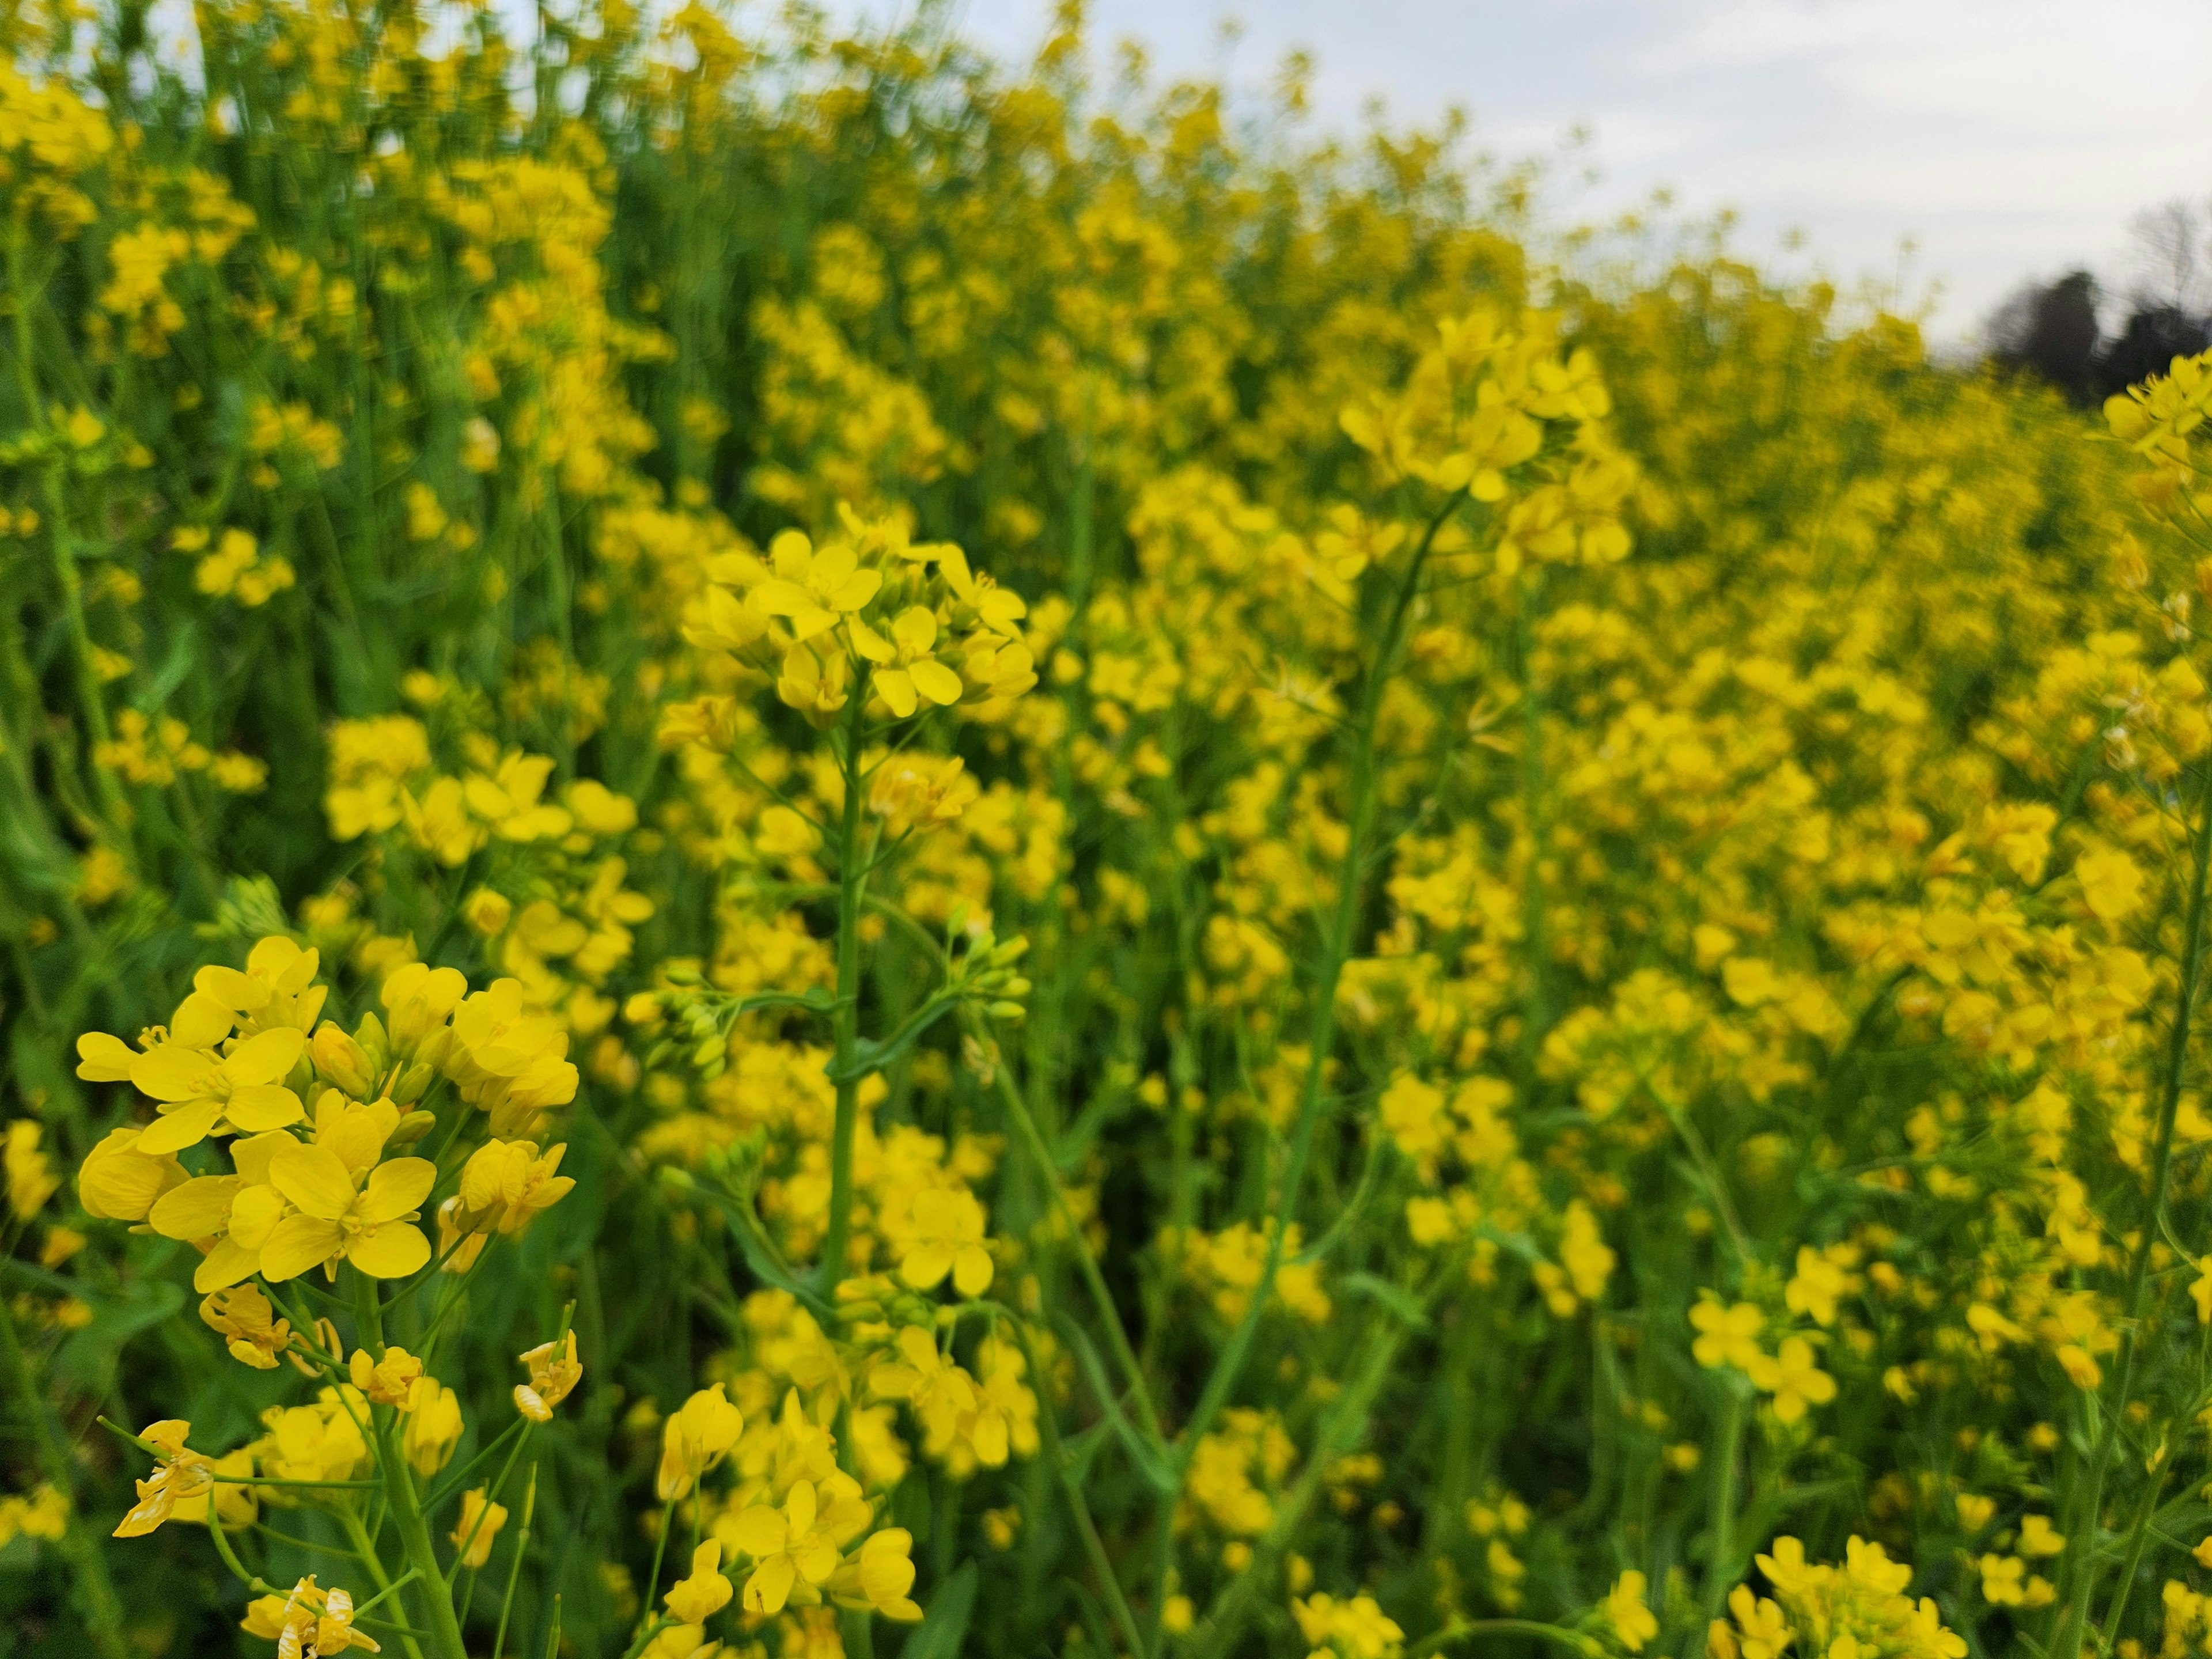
(198, 1090)
(479, 1525)
(696, 1437)
(947, 1237)
(1632, 1620)
(880, 1575)
(992, 608)
(790, 1549)
(2039, 1537)
(695, 1599)
(242, 1316)
(813, 589)
(554, 1370)
(307, 1621)
(2002, 1580)
(121, 1181)
(506, 1183)
(1792, 1377)
(181, 1477)
(386, 1381)
(371, 1227)
(813, 684)
(1726, 1336)
(432, 1428)
(905, 672)
(1818, 1284)
(2112, 885)
(939, 1392)
(31, 1178)
(230, 1217)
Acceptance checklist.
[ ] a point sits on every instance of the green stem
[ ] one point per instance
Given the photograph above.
(91, 701)
(103, 1612)
(850, 877)
(2081, 1552)
(1343, 1429)
(442, 1627)
(1109, 1582)
(1721, 1565)
(364, 1549)
(514, 1567)
(1087, 1260)
(1336, 950)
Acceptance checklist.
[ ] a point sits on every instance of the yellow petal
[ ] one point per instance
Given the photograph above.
(925, 1265)
(780, 597)
(200, 1022)
(758, 1531)
(187, 1126)
(265, 1058)
(936, 682)
(790, 553)
(895, 687)
(397, 1188)
(971, 1271)
(770, 1587)
(915, 630)
(856, 590)
(230, 988)
(199, 1207)
(818, 1560)
(392, 1251)
(258, 1107)
(254, 1214)
(104, 1058)
(300, 1244)
(832, 567)
(249, 1155)
(866, 642)
(173, 1072)
(286, 967)
(314, 1178)
(224, 1265)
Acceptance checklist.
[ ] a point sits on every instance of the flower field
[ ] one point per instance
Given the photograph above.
(811, 847)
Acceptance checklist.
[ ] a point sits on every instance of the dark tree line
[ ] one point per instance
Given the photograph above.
(2053, 330)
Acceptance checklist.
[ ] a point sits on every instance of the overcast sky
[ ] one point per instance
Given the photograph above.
(2007, 138)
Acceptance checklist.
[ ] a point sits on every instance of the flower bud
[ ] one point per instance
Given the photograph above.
(411, 1128)
(412, 1082)
(340, 1061)
(375, 1041)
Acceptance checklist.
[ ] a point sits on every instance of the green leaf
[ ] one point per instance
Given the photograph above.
(945, 1627)
(88, 1359)
(759, 1256)
(877, 1056)
(1395, 1298)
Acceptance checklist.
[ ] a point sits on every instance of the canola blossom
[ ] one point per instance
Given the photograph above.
(813, 849)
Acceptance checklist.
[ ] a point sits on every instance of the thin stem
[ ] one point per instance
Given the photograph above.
(850, 878)
(444, 1628)
(514, 1567)
(1087, 1260)
(2081, 1552)
(1336, 949)
(1109, 1583)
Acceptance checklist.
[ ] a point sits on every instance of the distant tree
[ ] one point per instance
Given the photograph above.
(2147, 344)
(2050, 329)
(2169, 296)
